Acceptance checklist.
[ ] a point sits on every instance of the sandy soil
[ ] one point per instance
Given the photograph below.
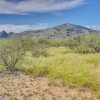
(25, 87)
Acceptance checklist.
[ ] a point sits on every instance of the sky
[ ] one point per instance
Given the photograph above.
(23, 15)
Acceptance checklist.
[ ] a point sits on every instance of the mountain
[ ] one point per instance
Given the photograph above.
(56, 33)
(4, 34)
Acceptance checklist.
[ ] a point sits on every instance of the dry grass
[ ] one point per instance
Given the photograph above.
(97, 70)
(63, 75)
(74, 69)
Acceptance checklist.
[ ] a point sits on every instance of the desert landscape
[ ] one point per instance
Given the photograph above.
(48, 70)
(49, 49)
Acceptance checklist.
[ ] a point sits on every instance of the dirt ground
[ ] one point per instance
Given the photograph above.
(25, 87)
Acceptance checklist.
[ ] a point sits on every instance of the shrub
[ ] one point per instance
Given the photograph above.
(84, 49)
(84, 44)
(94, 43)
(40, 48)
(10, 55)
(37, 51)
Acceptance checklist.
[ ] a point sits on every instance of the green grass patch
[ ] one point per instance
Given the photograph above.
(74, 69)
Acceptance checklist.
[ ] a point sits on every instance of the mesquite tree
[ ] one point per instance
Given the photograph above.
(11, 54)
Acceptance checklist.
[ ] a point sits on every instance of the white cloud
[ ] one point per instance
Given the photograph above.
(21, 28)
(96, 27)
(30, 6)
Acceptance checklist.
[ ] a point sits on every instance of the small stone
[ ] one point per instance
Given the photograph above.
(3, 98)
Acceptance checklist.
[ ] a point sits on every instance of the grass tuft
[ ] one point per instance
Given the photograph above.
(74, 69)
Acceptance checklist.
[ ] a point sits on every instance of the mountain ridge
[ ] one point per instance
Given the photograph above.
(58, 32)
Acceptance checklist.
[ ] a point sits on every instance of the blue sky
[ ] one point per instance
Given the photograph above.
(22, 15)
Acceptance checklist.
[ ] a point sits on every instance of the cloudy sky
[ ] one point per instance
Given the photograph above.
(23, 15)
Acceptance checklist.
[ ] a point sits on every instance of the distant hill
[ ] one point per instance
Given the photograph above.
(4, 34)
(58, 32)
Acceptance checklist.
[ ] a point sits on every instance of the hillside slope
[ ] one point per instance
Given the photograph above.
(56, 33)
